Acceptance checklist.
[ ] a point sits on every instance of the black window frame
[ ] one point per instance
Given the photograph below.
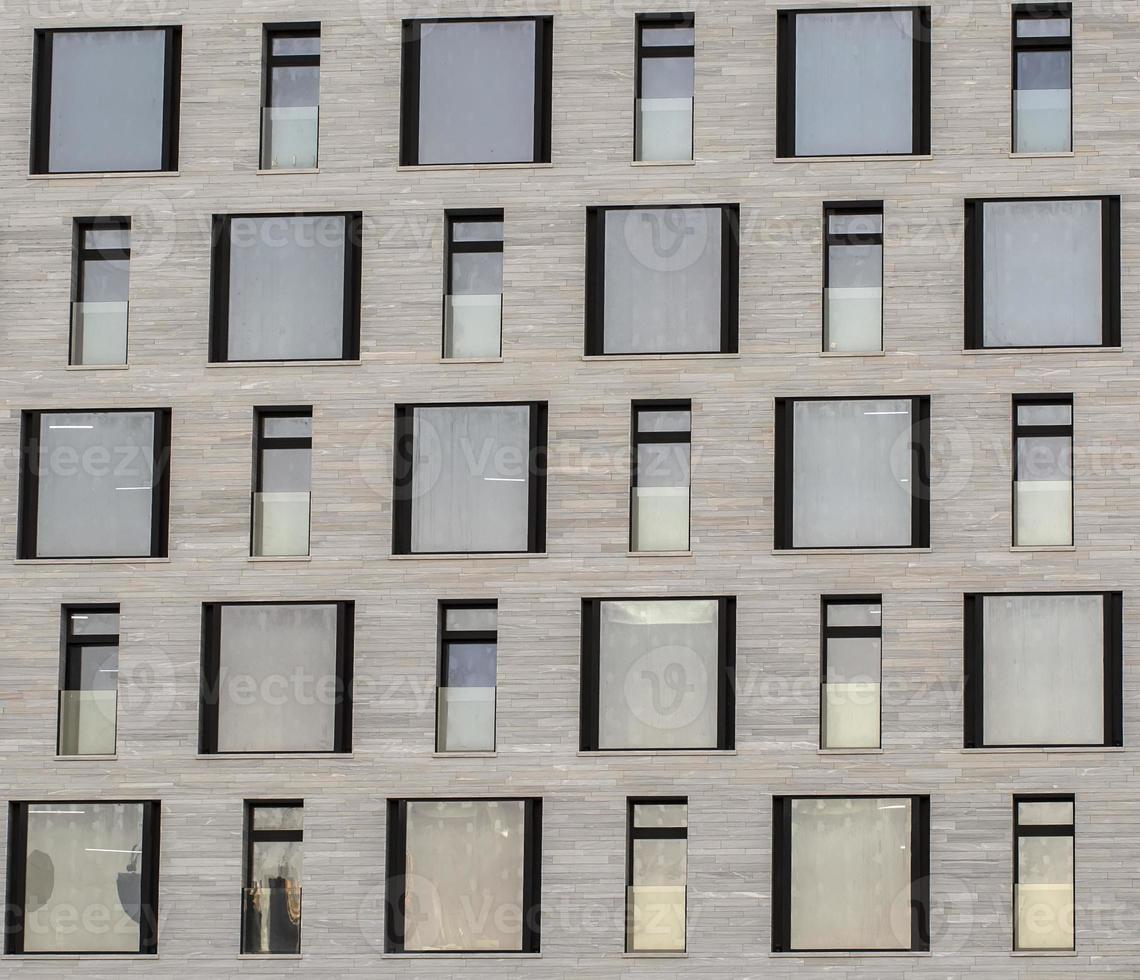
(251, 836)
(590, 673)
(1021, 831)
(82, 254)
(269, 61)
(974, 667)
(410, 89)
(42, 56)
(261, 442)
(827, 632)
(17, 877)
(395, 865)
(919, 480)
(69, 679)
(403, 468)
(632, 833)
(638, 438)
(1021, 45)
(29, 483)
(786, 81)
(830, 239)
(660, 21)
(782, 869)
(1061, 431)
(220, 286)
(445, 637)
(451, 217)
(596, 278)
(210, 689)
(975, 269)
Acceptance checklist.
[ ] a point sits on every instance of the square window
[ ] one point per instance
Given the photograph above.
(853, 277)
(663, 113)
(465, 696)
(473, 291)
(1044, 873)
(89, 680)
(656, 875)
(1043, 470)
(271, 895)
(291, 96)
(850, 708)
(100, 291)
(282, 481)
(661, 476)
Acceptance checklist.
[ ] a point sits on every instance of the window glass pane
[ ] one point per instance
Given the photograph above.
(854, 614)
(84, 878)
(667, 37)
(667, 78)
(107, 100)
(470, 665)
(285, 470)
(477, 273)
(105, 280)
(88, 701)
(477, 231)
(854, 82)
(97, 668)
(662, 280)
(854, 223)
(90, 623)
(1053, 813)
(851, 874)
(287, 277)
(107, 238)
(277, 683)
(464, 858)
(96, 474)
(477, 92)
(1043, 671)
(308, 45)
(467, 699)
(851, 693)
(1043, 27)
(1044, 491)
(1042, 276)
(853, 658)
(472, 618)
(1044, 414)
(852, 470)
(295, 86)
(1045, 893)
(276, 864)
(287, 426)
(278, 818)
(660, 815)
(1043, 70)
(470, 478)
(657, 899)
(658, 674)
(851, 266)
(663, 421)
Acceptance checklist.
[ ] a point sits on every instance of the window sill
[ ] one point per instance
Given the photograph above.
(849, 751)
(658, 955)
(86, 957)
(461, 956)
(470, 555)
(255, 365)
(1045, 750)
(1043, 547)
(97, 367)
(464, 755)
(270, 956)
(666, 753)
(660, 357)
(275, 558)
(470, 360)
(872, 158)
(1044, 952)
(659, 554)
(852, 353)
(1042, 350)
(473, 166)
(85, 758)
(1055, 155)
(238, 756)
(852, 551)
(91, 561)
(274, 172)
(865, 954)
(662, 163)
(100, 174)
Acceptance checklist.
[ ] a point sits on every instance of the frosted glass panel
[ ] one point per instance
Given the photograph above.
(289, 137)
(851, 693)
(464, 875)
(664, 129)
(98, 333)
(656, 915)
(851, 482)
(854, 83)
(473, 326)
(854, 318)
(1043, 671)
(1045, 893)
(1044, 120)
(1042, 277)
(466, 719)
(87, 722)
(661, 497)
(851, 874)
(280, 524)
(1049, 813)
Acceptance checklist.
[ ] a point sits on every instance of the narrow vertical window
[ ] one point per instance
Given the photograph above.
(661, 475)
(473, 292)
(89, 680)
(271, 897)
(663, 115)
(291, 97)
(853, 277)
(656, 874)
(1043, 873)
(282, 482)
(1043, 470)
(849, 704)
(465, 698)
(100, 288)
(1042, 78)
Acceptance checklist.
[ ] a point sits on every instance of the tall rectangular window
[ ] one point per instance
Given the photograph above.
(1044, 872)
(465, 696)
(1042, 78)
(105, 100)
(853, 82)
(853, 277)
(850, 706)
(476, 91)
(661, 476)
(470, 479)
(658, 674)
(662, 280)
(100, 291)
(851, 874)
(82, 877)
(852, 472)
(464, 876)
(291, 97)
(271, 896)
(663, 114)
(656, 875)
(286, 287)
(1043, 272)
(282, 481)
(473, 292)
(96, 484)
(1043, 470)
(276, 677)
(1043, 669)
(89, 680)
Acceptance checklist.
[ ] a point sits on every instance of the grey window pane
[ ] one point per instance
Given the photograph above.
(476, 273)
(1044, 414)
(1043, 70)
(663, 421)
(855, 266)
(1042, 276)
(472, 618)
(105, 280)
(285, 470)
(854, 659)
(667, 78)
(471, 478)
(477, 231)
(851, 481)
(278, 818)
(663, 464)
(851, 223)
(1045, 861)
(287, 277)
(662, 280)
(98, 668)
(1043, 27)
(1048, 458)
(96, 478)
(470, 665)
(660, 815)
(477, 92)
(854, 90)
(295, 86)
(287, 426)
(1056, 813)
(854, 614)
(277, 678)
(107, 238)
(666, 37)
(88, 623)
(107, 100)
(296, 45)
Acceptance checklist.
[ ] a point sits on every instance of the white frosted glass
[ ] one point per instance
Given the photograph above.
(854, 83)
(656, 914)
(1043, 671)
(1044, 512)
(464, 875)
(98, 333)
(289, 137)
(660, 518)
(854, 614)
(1045, 917)
(660, 815)
(851, 874)
(1042, 276)
(280, 524)
(87, 722)
(466, 719)
(1044, 121)
(1052, 813)
(851, 481)
(851, 715)
(1044, 414)
(854, 318)
(473, 326)
(664, 129)
(472, 618)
